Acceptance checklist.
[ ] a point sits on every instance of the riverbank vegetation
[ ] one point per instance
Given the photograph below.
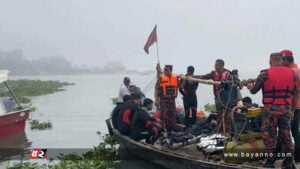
(24, 89)
(102, 156)
(210, 108)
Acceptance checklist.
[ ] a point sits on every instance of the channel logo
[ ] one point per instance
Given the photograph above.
(38, 154)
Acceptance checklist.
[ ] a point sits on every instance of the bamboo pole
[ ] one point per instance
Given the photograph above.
(209, 82)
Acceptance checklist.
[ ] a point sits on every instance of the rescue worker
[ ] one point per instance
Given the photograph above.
(288, 61)
(188, 91)
(124, 89)
(220, 74)
(143, 127)
(278, 85)
(126, 113)
(116, 110)
(166, 90)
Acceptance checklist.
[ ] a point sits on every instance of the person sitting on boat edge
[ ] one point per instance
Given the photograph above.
(126, 113)
(124, 89)
(188, 91)
(143, 127)
(116, 110)
(166, 90)
(278, 87)
(148, 105)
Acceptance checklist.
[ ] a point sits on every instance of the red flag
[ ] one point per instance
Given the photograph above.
(151, 39)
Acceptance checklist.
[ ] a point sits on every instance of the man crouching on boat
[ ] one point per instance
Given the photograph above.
(278, 87)
(126, 113)
(166, 90)
(143, 127)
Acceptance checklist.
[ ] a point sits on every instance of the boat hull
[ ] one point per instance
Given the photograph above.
(170, 159)
(12, 123)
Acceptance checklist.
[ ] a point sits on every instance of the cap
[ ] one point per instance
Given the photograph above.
(286, 53)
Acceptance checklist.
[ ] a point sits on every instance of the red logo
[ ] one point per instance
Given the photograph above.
(38, 154)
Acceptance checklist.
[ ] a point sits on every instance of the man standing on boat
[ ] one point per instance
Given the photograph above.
(220, 74)
(288, 61)
(124, 89)
(188, 90)
(278, 86)
(166, 90)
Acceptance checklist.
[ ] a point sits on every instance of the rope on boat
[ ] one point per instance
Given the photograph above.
(233, 121)
(222, 123)
(149, 86)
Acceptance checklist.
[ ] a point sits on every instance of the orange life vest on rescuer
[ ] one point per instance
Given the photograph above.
(168, 86)
(279, 86)
(220, 77)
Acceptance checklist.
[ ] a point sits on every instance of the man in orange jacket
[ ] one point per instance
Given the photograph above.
(166, 90)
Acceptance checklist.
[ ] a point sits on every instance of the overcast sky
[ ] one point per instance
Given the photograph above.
(190, 32)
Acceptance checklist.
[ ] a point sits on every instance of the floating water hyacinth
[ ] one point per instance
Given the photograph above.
(36, 125)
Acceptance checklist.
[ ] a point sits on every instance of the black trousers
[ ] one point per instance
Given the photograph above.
(141, 136)
(296, 133)
(146, 134)
(190, 106)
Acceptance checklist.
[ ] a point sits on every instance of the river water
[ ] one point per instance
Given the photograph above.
(79, 112)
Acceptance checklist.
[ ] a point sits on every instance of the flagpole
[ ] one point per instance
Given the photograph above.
(157, 45)
(157, 51)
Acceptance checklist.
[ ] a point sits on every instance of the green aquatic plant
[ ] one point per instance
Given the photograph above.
(33, 109)
(25, 89)
(210, 108)
(36, 125)
(102, 156)
(114, 100)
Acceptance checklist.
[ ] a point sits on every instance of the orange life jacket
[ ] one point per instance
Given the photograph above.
(168, 86)
(222, 77)
(279, 86)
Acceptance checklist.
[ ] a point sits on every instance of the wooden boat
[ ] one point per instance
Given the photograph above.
(184, 158)
(187, 157)
(12, 116)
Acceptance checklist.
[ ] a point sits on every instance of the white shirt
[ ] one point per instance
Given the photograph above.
(122, 92)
